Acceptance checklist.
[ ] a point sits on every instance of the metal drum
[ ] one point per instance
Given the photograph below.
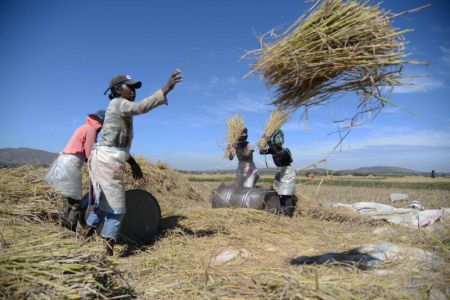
(142, 218)
(232, 196)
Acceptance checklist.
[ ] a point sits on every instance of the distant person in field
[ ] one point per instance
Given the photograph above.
(246, 173)
(107, 163)
(64, 173)
(433, 174)
(285, 178)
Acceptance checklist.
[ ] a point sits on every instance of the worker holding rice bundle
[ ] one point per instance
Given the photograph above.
(107, 163)
(64, 173)
(246, 173)
(285, 180)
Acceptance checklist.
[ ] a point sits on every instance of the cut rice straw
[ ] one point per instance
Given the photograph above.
(276, 120)
(177, 265)
(235, 126)
(335, 47)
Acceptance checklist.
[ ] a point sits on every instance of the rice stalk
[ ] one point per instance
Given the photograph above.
(276, 120)
(235, 125)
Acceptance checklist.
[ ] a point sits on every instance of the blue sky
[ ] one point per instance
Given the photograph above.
(57, 58)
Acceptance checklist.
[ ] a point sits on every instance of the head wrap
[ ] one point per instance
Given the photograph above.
(278, 137)
(100, 114)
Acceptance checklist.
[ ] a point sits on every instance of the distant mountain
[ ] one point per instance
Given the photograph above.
(381, 171)
(22, 156)
(377, 171)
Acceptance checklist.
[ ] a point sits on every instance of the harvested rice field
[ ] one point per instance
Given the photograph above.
(39, 259)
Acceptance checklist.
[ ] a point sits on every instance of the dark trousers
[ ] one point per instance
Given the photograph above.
(71, 213)
(287, 204)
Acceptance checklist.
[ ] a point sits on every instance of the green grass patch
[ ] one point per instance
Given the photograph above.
(212, 179)
(389, 184)
(438, 185)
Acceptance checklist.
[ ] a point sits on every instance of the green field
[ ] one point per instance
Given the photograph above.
(413, 182)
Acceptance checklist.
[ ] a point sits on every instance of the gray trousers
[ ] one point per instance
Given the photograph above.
(287, 205)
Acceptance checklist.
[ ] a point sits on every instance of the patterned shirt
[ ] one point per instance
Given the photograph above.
(117, 130)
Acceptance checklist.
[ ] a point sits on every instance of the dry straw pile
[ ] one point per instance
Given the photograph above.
(178, 264)
(276, 120)
(167, 185)
(51, 265)
(40, 260)
(235, 125)
(337, 46)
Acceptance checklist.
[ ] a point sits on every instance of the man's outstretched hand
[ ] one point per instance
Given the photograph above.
(173, 80)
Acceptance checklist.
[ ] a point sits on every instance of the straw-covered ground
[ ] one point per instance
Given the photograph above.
(38, 259)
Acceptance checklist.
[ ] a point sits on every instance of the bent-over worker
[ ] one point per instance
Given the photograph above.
(64, 173)
(284, 183)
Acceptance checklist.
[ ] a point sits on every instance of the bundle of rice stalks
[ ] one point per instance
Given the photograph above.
(235, 125)
(52, 265)
(276, 120)
(337, 46)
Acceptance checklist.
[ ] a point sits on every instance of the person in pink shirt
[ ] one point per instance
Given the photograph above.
(64, 173)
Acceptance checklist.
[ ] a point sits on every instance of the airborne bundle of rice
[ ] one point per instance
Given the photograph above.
(235, 125)
(276, 120)
(337, 46)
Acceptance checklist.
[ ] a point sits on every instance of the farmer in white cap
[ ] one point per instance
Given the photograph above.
(246, 173)
(64, 173)
(107, 163)
(284, 183)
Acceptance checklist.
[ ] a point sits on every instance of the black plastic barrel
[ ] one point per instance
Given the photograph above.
(258, 198)
(142, 218)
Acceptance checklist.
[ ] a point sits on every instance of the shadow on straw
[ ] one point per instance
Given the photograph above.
(169, 224)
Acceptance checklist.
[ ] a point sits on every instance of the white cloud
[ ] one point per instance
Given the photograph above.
(248, 103)
(425, 138)
(232, 80)
(197, 161)
(394, 146)
(213, 81)
(446, 54)
(419, 84)
(390, 146)
(213, 84)
(297, 125)
(238, 103)
(391, 110)
(414, 157)
(439, 29)
(420, 158)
